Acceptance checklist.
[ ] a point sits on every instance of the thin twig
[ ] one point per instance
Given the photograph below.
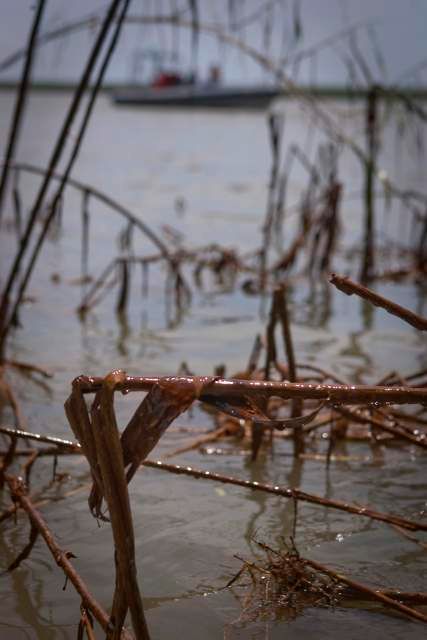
(289, 493)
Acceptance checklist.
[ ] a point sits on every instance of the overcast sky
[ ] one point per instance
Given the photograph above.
(397, 34)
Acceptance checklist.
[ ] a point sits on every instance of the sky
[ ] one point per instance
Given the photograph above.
(391, 38)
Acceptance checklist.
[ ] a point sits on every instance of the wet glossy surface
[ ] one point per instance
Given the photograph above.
(187, 532)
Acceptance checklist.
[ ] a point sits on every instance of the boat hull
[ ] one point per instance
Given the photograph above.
(196, 96)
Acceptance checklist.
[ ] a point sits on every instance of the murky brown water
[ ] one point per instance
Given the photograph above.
(187, 531)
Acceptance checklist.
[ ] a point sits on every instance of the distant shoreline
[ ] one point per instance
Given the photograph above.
(332, 92)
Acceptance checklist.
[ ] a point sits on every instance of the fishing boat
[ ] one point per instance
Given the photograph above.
(173, 90)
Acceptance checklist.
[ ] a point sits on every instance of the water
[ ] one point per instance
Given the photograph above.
(188, 531)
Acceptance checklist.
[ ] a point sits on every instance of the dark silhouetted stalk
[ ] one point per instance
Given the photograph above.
(20, 102)
(5, 317)
(368, 258)
(282, 310)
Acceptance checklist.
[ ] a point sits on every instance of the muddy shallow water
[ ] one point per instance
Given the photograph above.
(188, 531)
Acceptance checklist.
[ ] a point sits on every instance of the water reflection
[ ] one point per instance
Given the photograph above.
(317, 305)
(280, 523)
(30, 602)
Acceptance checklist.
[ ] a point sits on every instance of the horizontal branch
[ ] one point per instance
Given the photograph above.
(28, 435)
(210, 386)
(285, 492)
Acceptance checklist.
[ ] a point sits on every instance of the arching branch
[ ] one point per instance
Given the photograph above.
(105, 199)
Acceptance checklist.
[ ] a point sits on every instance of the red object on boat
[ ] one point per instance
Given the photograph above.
(166, 80)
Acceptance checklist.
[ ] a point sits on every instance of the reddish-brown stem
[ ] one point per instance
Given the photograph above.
(349, 287)
(219, 387)
(60, 556)
(375, 594)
